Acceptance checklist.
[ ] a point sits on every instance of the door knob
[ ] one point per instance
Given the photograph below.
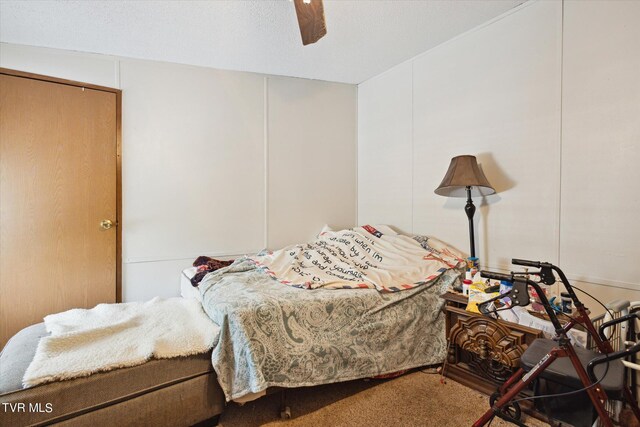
(106, 224)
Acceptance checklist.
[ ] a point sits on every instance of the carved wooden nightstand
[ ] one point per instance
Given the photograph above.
(483, 352)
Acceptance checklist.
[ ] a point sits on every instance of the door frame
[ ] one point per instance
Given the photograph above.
(118, 93)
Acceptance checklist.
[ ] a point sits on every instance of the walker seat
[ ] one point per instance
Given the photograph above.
(562, 371)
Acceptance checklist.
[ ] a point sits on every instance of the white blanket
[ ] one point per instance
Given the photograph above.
(111, 336)
(362, 257)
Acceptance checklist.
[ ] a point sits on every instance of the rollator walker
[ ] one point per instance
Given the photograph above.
(600, 375)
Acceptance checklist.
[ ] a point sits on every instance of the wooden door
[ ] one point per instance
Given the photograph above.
(58, 179)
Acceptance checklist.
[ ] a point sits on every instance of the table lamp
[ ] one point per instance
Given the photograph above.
(465, 178)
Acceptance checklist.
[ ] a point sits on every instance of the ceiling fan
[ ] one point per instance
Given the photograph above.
(311, 21)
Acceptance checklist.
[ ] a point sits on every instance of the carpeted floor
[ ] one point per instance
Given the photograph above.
(414, 399)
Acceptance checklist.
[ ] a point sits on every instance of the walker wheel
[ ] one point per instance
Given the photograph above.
(285, 413)
(511, 409)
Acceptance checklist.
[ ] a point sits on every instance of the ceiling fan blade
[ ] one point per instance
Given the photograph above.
(311, 20)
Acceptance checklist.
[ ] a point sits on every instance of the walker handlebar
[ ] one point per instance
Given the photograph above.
(496, 276)
(534, 264)
(525, 263)
(521, 282)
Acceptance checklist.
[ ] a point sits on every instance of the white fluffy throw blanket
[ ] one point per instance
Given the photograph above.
(111, 336)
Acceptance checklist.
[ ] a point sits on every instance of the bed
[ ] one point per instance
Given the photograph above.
(173, 392)
(277, 331)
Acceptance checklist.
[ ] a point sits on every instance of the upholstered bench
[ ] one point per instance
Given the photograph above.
(162, 392)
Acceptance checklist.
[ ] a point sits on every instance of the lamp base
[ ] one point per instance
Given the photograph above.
(470, 210)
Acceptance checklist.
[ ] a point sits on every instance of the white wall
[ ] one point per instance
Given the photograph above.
(600, 234)
(193, 138)
(216, 162)
(547, 97)
(312, 168)
(385, 149)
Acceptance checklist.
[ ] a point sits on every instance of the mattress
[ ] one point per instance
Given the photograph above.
(161, 392)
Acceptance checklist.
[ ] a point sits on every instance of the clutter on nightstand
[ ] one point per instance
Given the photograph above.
(479, 290)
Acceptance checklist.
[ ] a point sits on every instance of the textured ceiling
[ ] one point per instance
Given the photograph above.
(364, 38)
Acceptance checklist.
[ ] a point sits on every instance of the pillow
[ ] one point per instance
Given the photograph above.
(431, 243)
(186, 288)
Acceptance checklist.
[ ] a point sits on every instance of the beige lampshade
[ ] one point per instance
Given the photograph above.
(464, 172)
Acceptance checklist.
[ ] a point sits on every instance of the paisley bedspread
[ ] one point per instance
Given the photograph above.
(277, 335)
